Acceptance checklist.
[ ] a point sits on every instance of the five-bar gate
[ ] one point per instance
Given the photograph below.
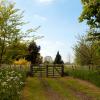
(49, 70)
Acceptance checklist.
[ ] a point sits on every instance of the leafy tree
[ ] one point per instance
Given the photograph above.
(15, 51)
(39, 59)
(58, 59)
(10, 22)
(91, 13)
(10, 31)
(33, 55)
(86, 52)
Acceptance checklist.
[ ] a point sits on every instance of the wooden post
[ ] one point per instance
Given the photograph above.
(46, 70)
(40, 69)
(73, 67)
(53, 70)
(31, 70)
(62, 70)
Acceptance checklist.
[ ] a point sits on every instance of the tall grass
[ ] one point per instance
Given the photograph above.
(92, 76)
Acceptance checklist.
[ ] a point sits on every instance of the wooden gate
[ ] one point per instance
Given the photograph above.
(51, 70)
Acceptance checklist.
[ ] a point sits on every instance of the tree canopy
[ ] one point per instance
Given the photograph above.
(12, 39)
(10, 31)
(33, 53)
(86, 52)
(91, 14)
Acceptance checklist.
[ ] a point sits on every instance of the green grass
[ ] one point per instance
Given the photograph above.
(33, 90)
(92, 76)
(83, 87)
(59, 87)
(66, 88)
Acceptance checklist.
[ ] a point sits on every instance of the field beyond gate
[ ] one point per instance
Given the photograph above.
(51, 70)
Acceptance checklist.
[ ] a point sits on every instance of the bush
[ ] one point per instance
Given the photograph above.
(11, 83)
(21, 61)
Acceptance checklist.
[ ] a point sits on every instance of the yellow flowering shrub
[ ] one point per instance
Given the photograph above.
(21, 61)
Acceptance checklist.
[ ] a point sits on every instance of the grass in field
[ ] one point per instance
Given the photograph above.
(92, 76)
(66, 88)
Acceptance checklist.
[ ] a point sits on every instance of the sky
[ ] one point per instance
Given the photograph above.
(59, 24)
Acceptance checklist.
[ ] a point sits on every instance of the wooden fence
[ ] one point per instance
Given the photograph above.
(52, 70)
(42, 70)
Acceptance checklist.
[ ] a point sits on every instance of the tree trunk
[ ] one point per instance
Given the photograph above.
(89, 67)
(31, 70)
(0, 62)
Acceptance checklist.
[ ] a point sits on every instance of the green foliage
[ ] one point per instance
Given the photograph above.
(58, 59)
(86, 52)
(10, 22)
(34, 54)
(12, 39)
(91, 13)
(15, 51)
(11, 83)
(92, 76)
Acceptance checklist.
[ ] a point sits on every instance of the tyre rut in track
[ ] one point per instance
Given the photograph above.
(78, 94)
(49, 92)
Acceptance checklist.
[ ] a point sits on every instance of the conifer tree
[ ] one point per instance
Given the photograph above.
(58, 59)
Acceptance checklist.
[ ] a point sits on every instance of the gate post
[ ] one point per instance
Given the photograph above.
(53, 70)
(40, 69)
(62, 70)
(46, 70)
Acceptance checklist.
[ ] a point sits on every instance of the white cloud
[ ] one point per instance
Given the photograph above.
(39, 17)
(46, 1)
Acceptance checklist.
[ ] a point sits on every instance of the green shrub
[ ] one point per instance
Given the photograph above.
(11, 83)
